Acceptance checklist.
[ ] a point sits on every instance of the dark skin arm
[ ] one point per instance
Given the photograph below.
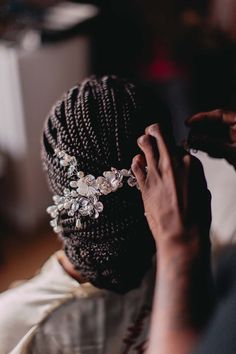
(215, 133)
(177, 207)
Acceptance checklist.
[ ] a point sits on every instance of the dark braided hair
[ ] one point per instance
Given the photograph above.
(98, 122)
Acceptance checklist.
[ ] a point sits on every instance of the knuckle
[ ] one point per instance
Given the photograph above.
(229, 117)
(233, 119)
(219, 111)
(154, 128)
(151, 181)
(166, 166)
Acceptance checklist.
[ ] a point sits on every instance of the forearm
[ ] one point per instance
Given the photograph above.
(171, 329)
(169, 341)
(177, 317)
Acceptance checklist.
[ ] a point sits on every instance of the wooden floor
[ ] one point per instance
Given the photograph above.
(21, 257)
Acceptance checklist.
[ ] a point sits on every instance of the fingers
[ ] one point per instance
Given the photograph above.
(230, 119)
(210, 130)
(205, 117)
(139, 169)
(149, 147)
(150, 143)
(165, 160)
(214, 132)
(156, 150)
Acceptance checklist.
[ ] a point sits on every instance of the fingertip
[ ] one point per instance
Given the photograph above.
(144, 141)
(140, 140)
(203, 117)
(153, 129)
(139, 158)
(193, 119)
(150, 127)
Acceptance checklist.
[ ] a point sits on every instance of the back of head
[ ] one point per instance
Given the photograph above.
(99, 122)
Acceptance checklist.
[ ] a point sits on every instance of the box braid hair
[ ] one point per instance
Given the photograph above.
(98, 122)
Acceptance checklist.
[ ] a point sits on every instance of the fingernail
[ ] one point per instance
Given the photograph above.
(140, 140)
(153, 128)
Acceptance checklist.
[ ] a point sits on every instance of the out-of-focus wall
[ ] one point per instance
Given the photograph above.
(30, 83)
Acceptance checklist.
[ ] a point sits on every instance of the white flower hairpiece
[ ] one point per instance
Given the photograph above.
(81, 197)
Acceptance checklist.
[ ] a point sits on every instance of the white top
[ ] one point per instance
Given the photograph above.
(108, 323)
(221, 180)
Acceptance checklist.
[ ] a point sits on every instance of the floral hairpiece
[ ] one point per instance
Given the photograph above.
(81, 197)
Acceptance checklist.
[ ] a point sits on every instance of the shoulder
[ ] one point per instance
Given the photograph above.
(13, 319)
(25, 306)
(77, 323)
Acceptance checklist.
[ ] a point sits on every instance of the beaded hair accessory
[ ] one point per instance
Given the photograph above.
(81, 197)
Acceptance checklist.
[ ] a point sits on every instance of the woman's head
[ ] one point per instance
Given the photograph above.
(98, 122)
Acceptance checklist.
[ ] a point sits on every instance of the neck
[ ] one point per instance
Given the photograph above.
(69, 268)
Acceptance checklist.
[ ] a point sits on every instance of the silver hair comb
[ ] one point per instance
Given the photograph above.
(81, 197)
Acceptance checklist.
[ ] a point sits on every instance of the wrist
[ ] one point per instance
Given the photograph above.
(181, 241)
(180, 259)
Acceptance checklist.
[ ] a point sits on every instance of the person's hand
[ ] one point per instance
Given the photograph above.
(174, 190)
(215, 133)
(177, 206)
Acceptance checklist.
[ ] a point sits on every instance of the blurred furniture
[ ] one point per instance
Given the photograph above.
(31, 79)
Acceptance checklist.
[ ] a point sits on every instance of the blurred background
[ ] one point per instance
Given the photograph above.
(185, 49)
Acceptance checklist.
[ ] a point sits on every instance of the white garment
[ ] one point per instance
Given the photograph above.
(125, 317)
(221, 180)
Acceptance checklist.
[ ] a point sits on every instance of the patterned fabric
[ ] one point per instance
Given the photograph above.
(52, 313)
(102, 324)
